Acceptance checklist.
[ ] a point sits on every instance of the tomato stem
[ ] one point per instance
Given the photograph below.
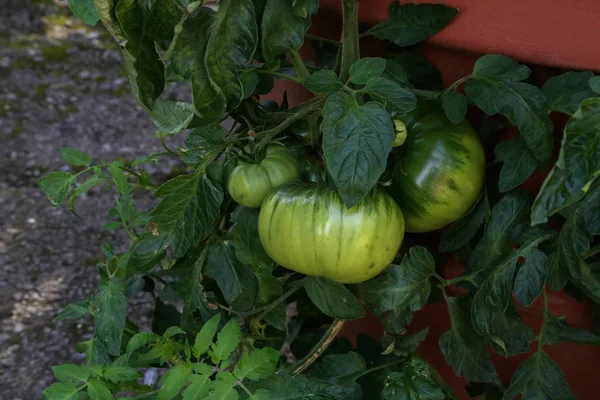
(350, 45)
(319, 348)
(299, 66)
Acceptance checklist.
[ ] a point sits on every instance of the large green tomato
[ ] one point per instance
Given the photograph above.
(306, 228)
(440, 172)
(249, 183)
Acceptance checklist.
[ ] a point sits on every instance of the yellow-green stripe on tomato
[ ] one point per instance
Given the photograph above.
(307, 228)
(440, 172)
(250, 183)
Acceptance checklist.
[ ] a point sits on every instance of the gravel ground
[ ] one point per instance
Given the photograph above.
(61, 84)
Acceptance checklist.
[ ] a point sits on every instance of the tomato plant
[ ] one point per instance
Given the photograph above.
(249, 302)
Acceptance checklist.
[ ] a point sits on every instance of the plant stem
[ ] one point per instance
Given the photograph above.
(299, 65)
(544, 319)
(379, 367)
(456, 84)
(269, 307)
(592, 252)
(245, 389)
(440, 381)
(449, 282)
(279, 75)
(322, 39)
(319, 348)
(427, 94)
(162, 142)
(350, 45)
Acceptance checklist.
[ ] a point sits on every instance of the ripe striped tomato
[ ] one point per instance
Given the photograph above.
(306, 228)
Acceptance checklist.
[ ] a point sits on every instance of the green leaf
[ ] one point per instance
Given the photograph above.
(567, 91)
(402, 286)
(396, 321)
(323, 80)
(366, 68)
(111, 312)
(70, 373)
(198, 387)
(194, 296)
(56, 186)
(227, 341)
(356, 142)
(74, 310)
(333, 299)
(61, 391)
(88, 184)
(463, 348)
(412, 23)
(455, 106)
(556, 277)
(413, 383)
(510, 334)
(139, 340)
(531, 277)
(269, 288)
(539, 377)
(172, 117)
(415, 68)
(205, 144)
(556, 331)
(204, 338)
(519, 163)
(235, 279)
(577, 166)
(462, 231)
(231, 48)
(501, 67)
(117, 373)
(172, 331)
(224, 388)
(524, 105)
(283, 26)
(96, 352)
(391, 95)
(258, 364)
(75, 157)
(173, 381)
(116, 172)
(97, 391)
(339, 366)
(594, 83)
(248, 247)
(302, 388)
(403, 346)
(262, 394)
(85, 10)
(189, 207)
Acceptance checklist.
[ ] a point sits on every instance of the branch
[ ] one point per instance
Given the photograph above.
(299, 65)
(319, 348)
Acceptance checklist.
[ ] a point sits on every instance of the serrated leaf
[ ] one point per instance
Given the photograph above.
(510, 335)
(337, 367)
(56, 186)
(356, 142)
(567, 91)
(413, 383)
(172, 331)
(258, 364)
(116, 172)
(396, 321)
(391, 95)
(204, 338)
(283, 27)
(173, 381)
(139, 340)
(556, 331)
(189, 207)
(88, 184)
(236, 280)
(224, 388)
(577, 166)
(412, 23)
(85, 10)
(333, 299)
(70, 373)
(111, 312)
(198, 387)
(463, 348)
(501, 67)
(401, 286)
(74, 310)
(261, 394)
(366, 68)
(518, 163)
(541, 378)
(204, 144)
(322, 81)
(75, 157)
(404, 346)
(97, 391)
(462, 231)
(96, 352)
(117, 373)
(61, 391)
(531, 277)
(523, 104)
(227, 341)
(172, 117)
(455, 106)
(556, 277)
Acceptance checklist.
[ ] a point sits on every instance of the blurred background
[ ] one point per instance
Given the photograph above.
(61, 84)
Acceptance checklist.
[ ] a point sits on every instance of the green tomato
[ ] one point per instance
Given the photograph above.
(307, 228)
(249, 183)
(401, 134)
(440, 173)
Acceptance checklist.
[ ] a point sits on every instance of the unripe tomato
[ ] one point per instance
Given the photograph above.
(440, 172)
(307, 228)
(250, 183)
(400, 130)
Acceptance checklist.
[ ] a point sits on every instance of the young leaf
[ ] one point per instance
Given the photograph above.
(70, 373)
(556, 331)
(567, 91)
(189, 207)
(85, 10)
(116, 374)
(139, 340)
(403, 346)
(391, 95)
(356, 142)
(322, 81)
(236, 280)
(501, 67)
(335, 367)
(258, 364)
(463, 230)
(111, 312)
(116, 172)
(198, 387)
(204, 338)
(455, 106)
(283, 25)
(333, 299)
(463, 348)
(97, 391)
(172, 117)
(577, 166)
(173, 381)
(366, 68)
(227, 341)
(61, 391)
(511, 336)
(74, 310)
(412, 23)
(56, 186)
(262, 394)
(519, 163)
(402, 286)
(414, 382)
(172, 331)
(531, 277)
(224, 387)
(541, 378)
(75, 157)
